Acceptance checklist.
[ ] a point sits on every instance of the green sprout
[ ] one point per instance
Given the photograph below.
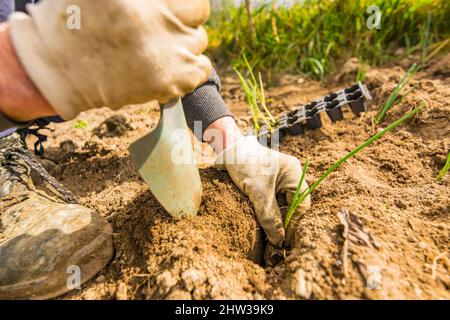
(81, 124)
(444, 170)
(299, 198)
(393, 97)
(254, 92)
(361, 75)
(299, 187)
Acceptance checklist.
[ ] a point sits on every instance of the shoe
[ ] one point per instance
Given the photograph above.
(48, 245)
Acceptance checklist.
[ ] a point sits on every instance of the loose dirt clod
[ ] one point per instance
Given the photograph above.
(115, 126)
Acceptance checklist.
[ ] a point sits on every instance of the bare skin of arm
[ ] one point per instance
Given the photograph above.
(20, 100)
(229, 134)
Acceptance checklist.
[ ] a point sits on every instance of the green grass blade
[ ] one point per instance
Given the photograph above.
(336, 165)
(250, 70)
(302, 179)
(297, 194)
(263, 99)
(361, 75)
(308, 36)
(254, 91)
(444, 170)
(250, 99)
(393, 97)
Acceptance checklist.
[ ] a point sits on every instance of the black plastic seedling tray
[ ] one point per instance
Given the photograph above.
(308, 117)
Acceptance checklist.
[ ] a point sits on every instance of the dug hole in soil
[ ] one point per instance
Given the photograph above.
(401, 212)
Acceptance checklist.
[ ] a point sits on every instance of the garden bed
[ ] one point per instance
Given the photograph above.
(390, 187)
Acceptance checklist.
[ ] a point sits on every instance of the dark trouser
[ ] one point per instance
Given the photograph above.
(6, 8)
(9, 6)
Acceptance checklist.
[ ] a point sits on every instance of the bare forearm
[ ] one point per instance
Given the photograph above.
(20, 100)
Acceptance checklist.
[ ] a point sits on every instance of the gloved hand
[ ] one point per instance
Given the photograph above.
(261, 173)
(126, 51)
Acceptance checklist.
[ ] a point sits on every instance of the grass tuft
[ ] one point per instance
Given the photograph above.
(313, 37)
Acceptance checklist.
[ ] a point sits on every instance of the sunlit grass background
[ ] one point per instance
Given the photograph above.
(313, 38)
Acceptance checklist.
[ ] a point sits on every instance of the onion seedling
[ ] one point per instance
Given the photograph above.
(393, 97)
(254, 92)
(361, 74)
(298, 200)
(302, 179)
(444, 170)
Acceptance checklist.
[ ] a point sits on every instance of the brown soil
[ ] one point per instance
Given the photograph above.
(390, 187)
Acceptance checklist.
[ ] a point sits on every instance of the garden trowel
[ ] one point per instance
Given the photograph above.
(165, 160)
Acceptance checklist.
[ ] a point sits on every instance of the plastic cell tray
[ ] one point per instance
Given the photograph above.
(308, 117)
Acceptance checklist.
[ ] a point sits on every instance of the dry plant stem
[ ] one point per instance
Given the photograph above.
(439, 46)
(435, 261)
(344, 255)
(314, 186)
(251, 24)
(344, 252)
(426, 39)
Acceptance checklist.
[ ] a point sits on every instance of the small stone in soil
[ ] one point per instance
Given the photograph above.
(122, 292)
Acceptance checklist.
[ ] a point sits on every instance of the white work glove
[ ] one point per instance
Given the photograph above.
(126, 51)
(261, 173)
